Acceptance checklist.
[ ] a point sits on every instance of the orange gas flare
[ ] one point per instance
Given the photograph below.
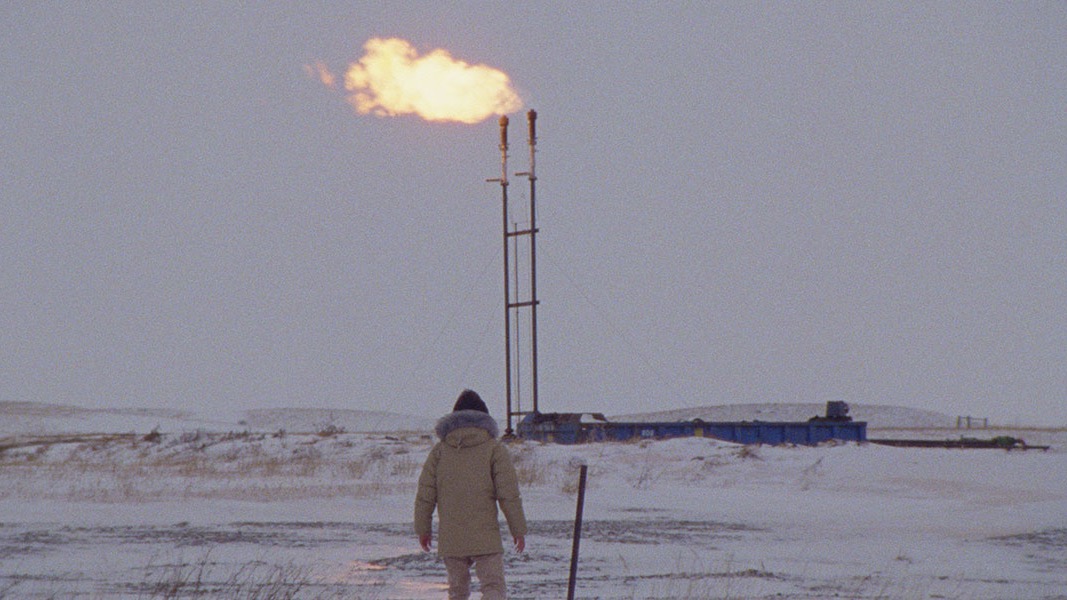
(321, 72)
(392, 79)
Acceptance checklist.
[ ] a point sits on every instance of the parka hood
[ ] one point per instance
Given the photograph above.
(466, 418)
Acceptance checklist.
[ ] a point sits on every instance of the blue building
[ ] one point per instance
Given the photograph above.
(570, 428)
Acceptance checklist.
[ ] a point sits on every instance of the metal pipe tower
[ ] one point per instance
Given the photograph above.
(515, 303)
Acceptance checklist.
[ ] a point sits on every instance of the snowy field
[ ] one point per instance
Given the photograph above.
(317, 504)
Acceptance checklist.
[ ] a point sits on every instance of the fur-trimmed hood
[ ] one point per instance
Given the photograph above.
(466, 418)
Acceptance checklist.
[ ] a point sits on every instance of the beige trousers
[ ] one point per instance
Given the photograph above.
(490, 571)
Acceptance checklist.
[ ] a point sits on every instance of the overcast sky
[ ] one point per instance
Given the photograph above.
(738, 202)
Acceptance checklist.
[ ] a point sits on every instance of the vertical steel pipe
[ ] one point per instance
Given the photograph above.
(518, 320)
(532, 121)
(507, 291)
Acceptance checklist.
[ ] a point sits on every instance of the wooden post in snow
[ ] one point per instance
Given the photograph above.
(577, 532)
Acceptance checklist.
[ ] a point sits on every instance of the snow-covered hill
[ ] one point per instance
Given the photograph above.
(34, 418)
(31, 418)
(312, 419)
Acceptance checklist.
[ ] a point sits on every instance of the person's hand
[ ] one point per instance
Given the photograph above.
(424, 541)
(520, 543)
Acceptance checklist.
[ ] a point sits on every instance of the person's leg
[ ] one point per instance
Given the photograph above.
(490, 571)
(459, 577)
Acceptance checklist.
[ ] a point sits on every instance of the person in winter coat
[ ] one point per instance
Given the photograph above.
(466, 475)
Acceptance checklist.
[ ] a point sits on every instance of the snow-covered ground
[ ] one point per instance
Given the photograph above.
(93, 504)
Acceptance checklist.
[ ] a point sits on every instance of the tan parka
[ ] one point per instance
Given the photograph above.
(466, 475)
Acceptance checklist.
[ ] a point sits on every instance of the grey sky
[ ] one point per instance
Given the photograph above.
(738, 202)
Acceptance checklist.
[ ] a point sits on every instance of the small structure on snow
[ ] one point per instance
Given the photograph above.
(571, 428)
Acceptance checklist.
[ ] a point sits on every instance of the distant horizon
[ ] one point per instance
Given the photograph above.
(978, 422)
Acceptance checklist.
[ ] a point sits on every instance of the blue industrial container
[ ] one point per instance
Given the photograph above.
(568, 428)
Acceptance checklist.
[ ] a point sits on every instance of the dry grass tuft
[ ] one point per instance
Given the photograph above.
(201, 465)
(256, 580)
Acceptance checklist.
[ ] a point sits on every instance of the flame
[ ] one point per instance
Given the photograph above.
(391, 79)
(320, 71)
